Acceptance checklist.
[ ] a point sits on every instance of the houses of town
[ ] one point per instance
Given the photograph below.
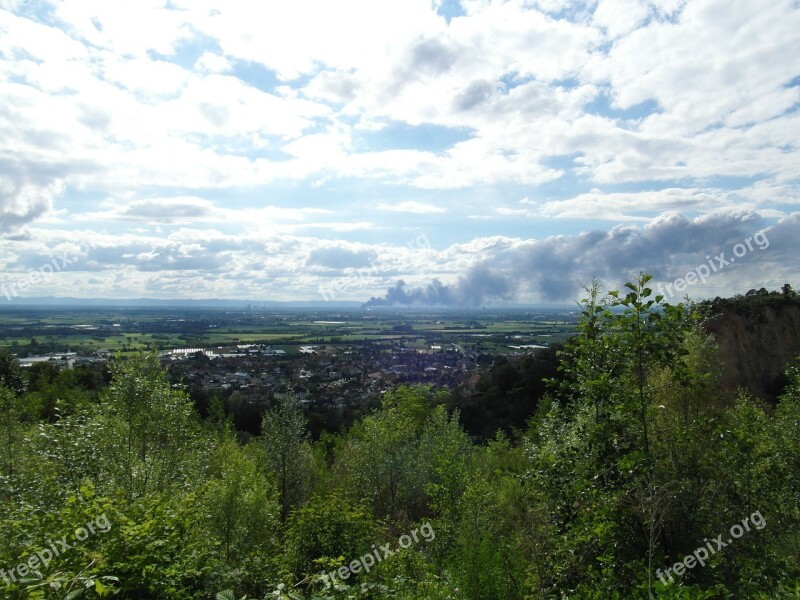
(323, 375)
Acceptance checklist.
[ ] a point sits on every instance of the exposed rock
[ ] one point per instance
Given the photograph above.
(759, 337)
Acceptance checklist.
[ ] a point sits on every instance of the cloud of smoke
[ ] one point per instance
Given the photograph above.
(478, 285)
(553, 269)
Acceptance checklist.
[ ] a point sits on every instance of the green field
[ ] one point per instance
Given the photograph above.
(38, 331)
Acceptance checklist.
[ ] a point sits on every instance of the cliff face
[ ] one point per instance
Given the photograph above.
(757, 343)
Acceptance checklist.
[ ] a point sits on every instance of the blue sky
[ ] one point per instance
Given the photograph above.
(509, 150)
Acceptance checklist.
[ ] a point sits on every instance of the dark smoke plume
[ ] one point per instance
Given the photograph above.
(554, 269)
(474, 288)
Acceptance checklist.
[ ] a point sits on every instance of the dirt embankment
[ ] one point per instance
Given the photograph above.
(757, 344)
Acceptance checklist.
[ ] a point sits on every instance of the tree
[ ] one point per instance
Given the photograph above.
(150, 427)
(786, 428)
(608, 363)
(9, 432)
(328, 532)
(54, 392)
(243, 514)
(383, 459)
(595, 453)
(11, 376)
(650, 333)
(287, 451)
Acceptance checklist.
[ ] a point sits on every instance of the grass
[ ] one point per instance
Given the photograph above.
(55, 330)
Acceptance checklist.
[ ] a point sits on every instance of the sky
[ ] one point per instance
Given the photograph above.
(466, 152)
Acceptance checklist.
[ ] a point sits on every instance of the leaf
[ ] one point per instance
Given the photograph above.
(102, 590)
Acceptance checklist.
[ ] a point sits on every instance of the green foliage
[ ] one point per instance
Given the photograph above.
(755, 303)
(160, 549)
(287, 452)
(444, 455)
(11, 376)
(10, 427)
(632, 467)
(489, 561)
(148, 430)
(508, 395)
(53, 390)
(633, 459)
(328, 531)
(35, 538)
(243, 516)
(69, 450)
(781, 473)
(394, 457)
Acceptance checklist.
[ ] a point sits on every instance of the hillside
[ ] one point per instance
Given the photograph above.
(633, 460)
(758, 336)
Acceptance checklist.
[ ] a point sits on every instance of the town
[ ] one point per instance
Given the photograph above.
(338, 364)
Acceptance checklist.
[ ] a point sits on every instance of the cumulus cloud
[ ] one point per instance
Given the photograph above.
(521, 79)
(554, 269)
(340, 258)
(627, 206)
(473, 273)
(246, 118)
(27, 189)
(22, 203)
(212, 63)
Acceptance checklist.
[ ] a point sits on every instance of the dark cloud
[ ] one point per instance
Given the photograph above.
(432, 56)
(476, 93)
(17, 209)
(166, 211)
(478, 285)
(30, 182)
(26, 191)
(555, 268)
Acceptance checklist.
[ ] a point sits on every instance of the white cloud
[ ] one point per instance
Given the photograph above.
(283, 37)
(412, 206)
(619, 17)
(212, 63)
(251, 117)
(126, 29)
(634, 206)
(284, 265)
(499, 72)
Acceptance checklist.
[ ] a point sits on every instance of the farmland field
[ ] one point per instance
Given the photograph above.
(29, 331)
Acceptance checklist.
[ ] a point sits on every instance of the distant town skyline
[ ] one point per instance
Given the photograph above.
(406, 151)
